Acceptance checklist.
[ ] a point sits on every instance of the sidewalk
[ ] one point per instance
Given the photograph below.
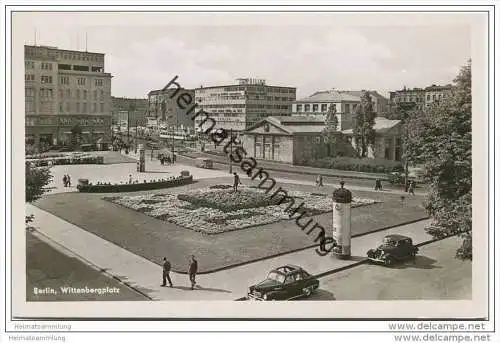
(350, 187)
(229, 284)
(283, 167)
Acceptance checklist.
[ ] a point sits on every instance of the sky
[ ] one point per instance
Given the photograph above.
(310, 52)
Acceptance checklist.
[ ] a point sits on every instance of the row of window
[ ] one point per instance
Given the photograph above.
(348, 108)
(428, 97)
(47, 93)
(81, 109)
(81, 94)
(43, 65)
(64, 80)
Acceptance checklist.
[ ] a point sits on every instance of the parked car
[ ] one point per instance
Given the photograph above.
(394, 248)
(284, 283)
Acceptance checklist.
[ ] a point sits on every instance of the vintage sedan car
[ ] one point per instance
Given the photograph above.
(394, 248)
(284, 283)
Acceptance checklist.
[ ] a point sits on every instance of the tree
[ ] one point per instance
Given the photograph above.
(37, 178)
(76, 132)
(331, 136)
(442, 141)
(364, 120)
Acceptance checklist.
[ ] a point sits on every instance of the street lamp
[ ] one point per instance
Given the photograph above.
(405, 109)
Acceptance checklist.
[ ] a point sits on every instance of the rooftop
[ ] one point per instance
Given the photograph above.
(334, 95)
(382, 125)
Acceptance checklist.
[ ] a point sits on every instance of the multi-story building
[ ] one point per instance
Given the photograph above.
(435, 93)
(420, 97)
(129, 109)
(415, 96)
(164, 112)
(64, 89)
(345, 104)
(238, 107)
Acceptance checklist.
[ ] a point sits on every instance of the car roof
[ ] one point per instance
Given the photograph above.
(287, 269)
(397, 237)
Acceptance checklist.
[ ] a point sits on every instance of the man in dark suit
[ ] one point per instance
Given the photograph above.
(166, 272)
(193, 269)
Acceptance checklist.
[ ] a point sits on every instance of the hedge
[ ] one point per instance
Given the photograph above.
(367, 165)
(134, 187)
(67, 160)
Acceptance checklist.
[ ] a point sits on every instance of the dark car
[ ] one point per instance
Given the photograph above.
(284, 283)
(393, 248)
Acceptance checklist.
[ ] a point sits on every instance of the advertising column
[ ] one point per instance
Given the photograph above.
(142, 159)
(341, 223)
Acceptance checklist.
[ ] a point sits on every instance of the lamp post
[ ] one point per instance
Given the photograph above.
(405, 108)
(230, 150)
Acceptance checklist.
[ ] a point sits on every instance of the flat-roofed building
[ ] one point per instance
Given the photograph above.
(65, 89)
(239, 106)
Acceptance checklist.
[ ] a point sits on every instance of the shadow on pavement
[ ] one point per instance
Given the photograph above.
(421, 262)
(199, 288)
(320, 295)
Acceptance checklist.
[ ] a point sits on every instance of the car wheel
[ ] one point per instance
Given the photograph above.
(307, 291)
(389, 261)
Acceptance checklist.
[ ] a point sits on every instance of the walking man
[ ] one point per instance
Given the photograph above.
(166, 272)
(411, 188)
(65, 181)
(237, 182)
(319, 181)
(69, 180)
(193, 269)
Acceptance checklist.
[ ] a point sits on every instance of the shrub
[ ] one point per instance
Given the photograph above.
(367, 165)
(134, 187)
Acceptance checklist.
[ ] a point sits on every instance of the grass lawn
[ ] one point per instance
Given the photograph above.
(152, 238)
(48, 267)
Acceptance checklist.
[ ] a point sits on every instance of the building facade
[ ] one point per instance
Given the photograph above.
(164, 112)
(129, 109)
(345, 104)
(421, 98)
(65, 89)
(297, 139)
(238, 107)
(436, 93)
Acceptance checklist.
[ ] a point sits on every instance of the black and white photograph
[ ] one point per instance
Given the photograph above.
(262, 164)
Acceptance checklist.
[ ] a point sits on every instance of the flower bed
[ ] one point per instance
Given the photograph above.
(133, 187)
(210, 220)
(227, 200)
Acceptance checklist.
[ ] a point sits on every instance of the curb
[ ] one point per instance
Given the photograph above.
(295, 250)
(367, 177)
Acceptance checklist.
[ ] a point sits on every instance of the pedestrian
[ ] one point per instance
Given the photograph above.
(166, 272)
(411, 188)
(152, 154)
(236, 182)
(193, 269)
(69, 180)
(378, 185)
(65, 180)
(130, 178)
(319, 181)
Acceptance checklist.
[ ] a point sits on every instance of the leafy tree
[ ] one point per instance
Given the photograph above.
(441, 140)
(76, 132)
(364, 120)
(331, 136)
(37, 178)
